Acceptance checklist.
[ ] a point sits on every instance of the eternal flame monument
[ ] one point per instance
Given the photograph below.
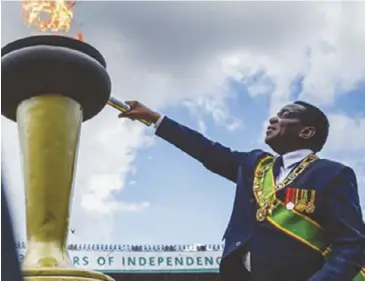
(50, 85)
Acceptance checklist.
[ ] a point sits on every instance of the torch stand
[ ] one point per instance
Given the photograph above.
(50, 85)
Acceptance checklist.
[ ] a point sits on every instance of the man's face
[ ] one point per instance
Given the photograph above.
(285, 128)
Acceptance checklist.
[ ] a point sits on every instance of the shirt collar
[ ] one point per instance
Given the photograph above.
(293, 157)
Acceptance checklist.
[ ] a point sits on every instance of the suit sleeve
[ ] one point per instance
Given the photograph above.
(214, 156)
(345, 229)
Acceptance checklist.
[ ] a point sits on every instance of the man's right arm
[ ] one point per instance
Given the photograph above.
(214, 156)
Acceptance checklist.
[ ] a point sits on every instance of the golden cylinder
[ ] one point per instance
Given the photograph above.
(49, 129)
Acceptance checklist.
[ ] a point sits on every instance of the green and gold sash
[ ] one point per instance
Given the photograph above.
(286, 218)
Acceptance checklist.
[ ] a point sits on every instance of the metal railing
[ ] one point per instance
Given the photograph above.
(138, 248)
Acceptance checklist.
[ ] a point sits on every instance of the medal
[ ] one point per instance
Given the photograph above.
(261, 214)
(290, 206)
(266, 195)
(310, 208)
(301, 207)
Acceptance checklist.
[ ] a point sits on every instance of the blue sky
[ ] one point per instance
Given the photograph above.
(221, 68)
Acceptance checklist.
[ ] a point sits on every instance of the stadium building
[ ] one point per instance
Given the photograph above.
(147, 262)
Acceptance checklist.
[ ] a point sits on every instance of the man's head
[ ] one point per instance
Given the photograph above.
(297, 126)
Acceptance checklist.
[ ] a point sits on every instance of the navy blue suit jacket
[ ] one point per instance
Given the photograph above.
(274, 255)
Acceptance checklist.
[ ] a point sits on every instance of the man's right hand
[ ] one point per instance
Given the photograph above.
(140, 111)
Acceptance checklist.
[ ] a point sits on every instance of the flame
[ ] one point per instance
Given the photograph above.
(80, 36)
(49, 15)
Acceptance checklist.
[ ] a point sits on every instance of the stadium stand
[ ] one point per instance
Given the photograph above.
(142, 250)
(137, 248)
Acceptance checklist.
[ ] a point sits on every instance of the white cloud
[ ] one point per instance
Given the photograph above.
(336, 59)
(168, 52)
(329, 57)
(346, 144)
(105, 158)
(216, 108)
(346, 133)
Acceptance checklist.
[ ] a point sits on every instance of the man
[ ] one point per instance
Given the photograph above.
(296, 217)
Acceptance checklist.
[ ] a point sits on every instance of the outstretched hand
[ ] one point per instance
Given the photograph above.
(140, 111)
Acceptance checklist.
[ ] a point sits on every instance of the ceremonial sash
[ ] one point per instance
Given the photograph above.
(289, 221)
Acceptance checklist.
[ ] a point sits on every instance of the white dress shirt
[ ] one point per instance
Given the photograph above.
(158, 122)
(289, 160)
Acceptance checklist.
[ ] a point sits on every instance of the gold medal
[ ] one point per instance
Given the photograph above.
(261, 214)
(300, 207)
(310, 208)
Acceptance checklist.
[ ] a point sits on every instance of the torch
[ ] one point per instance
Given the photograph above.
(50, 85)
(60, 16)
(123, 107)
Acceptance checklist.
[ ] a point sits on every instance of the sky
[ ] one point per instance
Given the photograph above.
(222, 68)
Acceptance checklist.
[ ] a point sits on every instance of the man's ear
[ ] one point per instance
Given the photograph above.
(307, 133)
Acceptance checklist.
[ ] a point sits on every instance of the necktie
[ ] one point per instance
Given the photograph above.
(277, 165)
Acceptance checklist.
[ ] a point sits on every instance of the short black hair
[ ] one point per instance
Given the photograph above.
(315, 117)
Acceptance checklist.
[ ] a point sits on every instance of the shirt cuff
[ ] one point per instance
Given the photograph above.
(158, 122)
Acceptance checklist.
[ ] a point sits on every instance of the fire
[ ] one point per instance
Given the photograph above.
(49, 15)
